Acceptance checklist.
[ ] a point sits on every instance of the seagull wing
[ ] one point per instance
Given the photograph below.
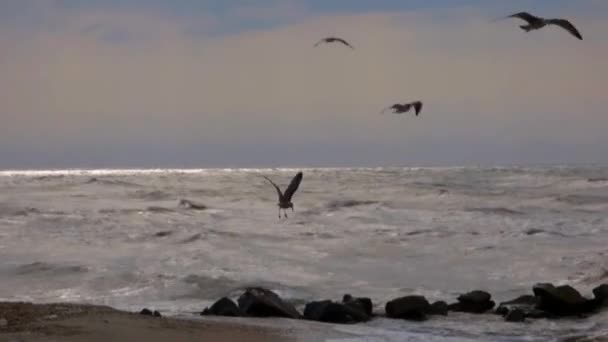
(524, 16)
(417, 107)
(404, 108)
(320, 41)
(276, 187)
(566, 25)
(293, 186)
(344, 42)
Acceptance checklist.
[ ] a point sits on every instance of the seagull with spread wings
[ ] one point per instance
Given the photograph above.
(536, 23)
(334, 40)
(400, 108)
(285, 197)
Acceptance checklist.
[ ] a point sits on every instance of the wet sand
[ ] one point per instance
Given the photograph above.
(76, 323)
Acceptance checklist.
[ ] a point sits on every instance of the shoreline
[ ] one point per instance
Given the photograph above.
(21, 321)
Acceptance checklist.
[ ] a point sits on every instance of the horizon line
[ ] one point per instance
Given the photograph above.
(159, 170)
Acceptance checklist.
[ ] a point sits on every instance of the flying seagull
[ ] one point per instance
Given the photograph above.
(334, 40)
(285, 198)
(536, 23)
(400, 108)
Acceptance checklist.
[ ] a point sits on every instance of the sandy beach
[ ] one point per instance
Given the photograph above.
(75, 323)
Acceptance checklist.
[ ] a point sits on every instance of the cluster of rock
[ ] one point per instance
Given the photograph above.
(547, 301)
(259, 302)
(148, 312)
(551, 301)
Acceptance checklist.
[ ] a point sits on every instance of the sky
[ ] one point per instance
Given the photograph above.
(237, 83)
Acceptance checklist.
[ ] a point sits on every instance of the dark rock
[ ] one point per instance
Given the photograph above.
(259, 302)
(187, 204)
(526, 303)
(601, 294)
(502, 310)
(522, 300)
(331, 312)
(146, 312)
(362, 303)
(223, 307)
(562, 300)
(534, 231)
(535, 313)
(473, 302)
(455, 307)
(439, 308)
(163, 233)
(408, 307)
(471, 308)
(515, 315)
(156, 314)
(475, 297)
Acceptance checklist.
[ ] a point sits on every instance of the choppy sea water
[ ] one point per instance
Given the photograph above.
(120, 238)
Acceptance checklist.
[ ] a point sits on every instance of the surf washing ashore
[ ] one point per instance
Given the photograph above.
(176, 241)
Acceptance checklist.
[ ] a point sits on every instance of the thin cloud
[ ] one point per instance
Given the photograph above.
(80, 81)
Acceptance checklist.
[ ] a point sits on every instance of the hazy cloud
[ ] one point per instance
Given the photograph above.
(108, 76)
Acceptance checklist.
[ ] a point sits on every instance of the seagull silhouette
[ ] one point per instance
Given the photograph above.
(400, 108)
(285, 197)
(536, 23)
(334, 40)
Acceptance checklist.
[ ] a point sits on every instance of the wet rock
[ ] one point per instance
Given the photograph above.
(187, 204)
(223, 307)
(475, 297)
(601, 294)
(259, 302)
(534, 231)
(501, 310)
(515, 315)
(331, 312)
(562, 300)
(537, 314)
(439, 308)
(409, 307)
(146, 312)
(473, 302)
(362, 303)
(526, 303)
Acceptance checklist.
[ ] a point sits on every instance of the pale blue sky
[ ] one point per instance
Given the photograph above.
(206, 83)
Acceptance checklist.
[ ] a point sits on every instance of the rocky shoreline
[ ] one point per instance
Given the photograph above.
(81, 322)
(546, 301)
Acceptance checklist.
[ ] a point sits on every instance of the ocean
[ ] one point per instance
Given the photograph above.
(122, 238)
